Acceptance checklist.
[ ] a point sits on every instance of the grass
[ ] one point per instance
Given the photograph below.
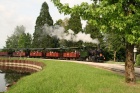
(68, 77)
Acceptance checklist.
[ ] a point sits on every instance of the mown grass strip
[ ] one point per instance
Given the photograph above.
(67, 77)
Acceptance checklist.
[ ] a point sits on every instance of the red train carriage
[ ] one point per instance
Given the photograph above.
(3, 53)
(36, 54)
(71, 55)
(52, 54)
(19, 54)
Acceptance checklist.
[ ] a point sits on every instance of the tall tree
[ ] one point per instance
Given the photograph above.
(19, 39)
(59, 22)
(74, 23)
(63, 23)
(25, 41)
(40, 38)
(114, 43)
(12, 41)
(28, 40)
(94, 32)
(120, 16)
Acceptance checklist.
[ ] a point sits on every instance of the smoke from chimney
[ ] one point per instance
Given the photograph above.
(60, 33)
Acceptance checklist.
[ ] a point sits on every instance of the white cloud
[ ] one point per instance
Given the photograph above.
(24, 12)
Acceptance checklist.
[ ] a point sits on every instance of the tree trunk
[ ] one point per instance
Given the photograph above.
(115, 56)
(129, 65)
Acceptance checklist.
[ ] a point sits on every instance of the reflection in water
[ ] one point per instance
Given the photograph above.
(22, 68)
(9, 78)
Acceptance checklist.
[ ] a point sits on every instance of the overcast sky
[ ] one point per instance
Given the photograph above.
(24, 12)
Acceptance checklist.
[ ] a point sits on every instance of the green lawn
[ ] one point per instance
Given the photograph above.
(67, 77)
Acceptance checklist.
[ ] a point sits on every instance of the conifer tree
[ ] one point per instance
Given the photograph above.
(40, 39)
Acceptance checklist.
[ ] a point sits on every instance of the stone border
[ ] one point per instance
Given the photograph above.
(21, 66)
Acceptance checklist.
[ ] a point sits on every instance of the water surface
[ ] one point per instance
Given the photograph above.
(9, 78)
(2, 82)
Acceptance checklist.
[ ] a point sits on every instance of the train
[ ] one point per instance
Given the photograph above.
(91, 54)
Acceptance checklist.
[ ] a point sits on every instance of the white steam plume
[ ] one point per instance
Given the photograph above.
(59, 32)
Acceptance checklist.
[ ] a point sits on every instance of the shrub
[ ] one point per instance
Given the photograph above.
(138, 60)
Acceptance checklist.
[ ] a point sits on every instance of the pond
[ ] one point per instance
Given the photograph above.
(2, 82)
(9, 78)
(22, 67)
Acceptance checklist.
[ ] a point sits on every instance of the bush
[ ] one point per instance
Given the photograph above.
(138, 60)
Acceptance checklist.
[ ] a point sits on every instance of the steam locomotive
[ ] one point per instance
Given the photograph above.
(73, 53)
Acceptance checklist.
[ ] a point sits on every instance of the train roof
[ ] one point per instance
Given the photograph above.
(59, 48)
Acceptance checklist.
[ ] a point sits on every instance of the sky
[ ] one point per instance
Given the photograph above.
(24, 12)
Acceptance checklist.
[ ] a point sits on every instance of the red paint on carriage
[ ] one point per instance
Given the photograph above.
(36, 54)
(3, 53)
(19, 54)
(71, 55)
(53, 54)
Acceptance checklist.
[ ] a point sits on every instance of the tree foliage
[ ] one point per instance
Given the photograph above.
(19, 39)
(59, 22)
(119, 16)
(94, 31)
(74, 23)
(63, 23)
(41, 39)
(115, 43)
(138, 60)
